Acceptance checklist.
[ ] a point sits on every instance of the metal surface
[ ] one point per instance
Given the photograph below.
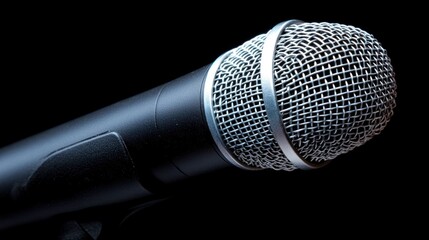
(208, 110)
(334, 89)
(239, 109)
(270, 98)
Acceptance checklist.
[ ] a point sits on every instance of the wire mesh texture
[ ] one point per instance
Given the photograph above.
(334, 85)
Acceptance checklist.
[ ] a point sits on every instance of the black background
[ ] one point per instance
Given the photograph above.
(61, 62)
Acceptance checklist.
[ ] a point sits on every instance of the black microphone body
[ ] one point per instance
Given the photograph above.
(120, 153)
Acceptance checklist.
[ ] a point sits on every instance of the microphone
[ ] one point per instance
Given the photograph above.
(293, 98)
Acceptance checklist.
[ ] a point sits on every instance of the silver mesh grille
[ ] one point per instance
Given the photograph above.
(239, 110)
(335, 89)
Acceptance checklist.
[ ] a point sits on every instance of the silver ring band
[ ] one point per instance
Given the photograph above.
(270, 99)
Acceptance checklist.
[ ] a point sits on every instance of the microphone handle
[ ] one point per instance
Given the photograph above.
(126, 151)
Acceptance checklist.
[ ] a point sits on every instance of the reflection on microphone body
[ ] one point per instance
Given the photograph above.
(294, 98)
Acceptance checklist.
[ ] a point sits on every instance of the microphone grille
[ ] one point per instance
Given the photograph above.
(334, 86)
